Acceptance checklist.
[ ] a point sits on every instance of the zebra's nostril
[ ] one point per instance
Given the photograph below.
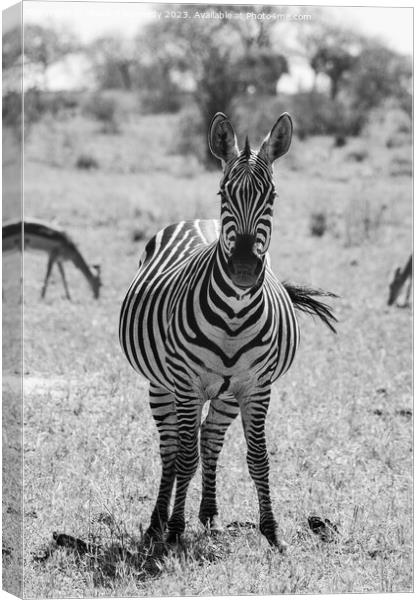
(243, 268)
(245, 271)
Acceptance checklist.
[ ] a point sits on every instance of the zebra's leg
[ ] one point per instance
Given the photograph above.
(163, 409)
(62, 273)
(188, 410)
(254, 411)
(51, 260)
(220, 415)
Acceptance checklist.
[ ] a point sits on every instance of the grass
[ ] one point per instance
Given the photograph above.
(339, 428)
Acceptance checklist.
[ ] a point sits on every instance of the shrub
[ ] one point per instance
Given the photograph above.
(57, 102)
(313, 113)
(389, 125)
(318, 224)
(156, 102)
(105, 110)
(357, 155)
(340, 141)
(401, 166)
(397, 140)
(191, 138)
(362, 219)
(12, 109)
(87, 162)
(317, 114)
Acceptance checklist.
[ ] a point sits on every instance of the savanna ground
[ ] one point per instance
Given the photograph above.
(339, 428)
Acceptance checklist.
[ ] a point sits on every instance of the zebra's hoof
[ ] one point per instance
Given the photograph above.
(173, 538)
(278, 545)
(212, 524)
(215, 526)
(153, 535)
(270, 533)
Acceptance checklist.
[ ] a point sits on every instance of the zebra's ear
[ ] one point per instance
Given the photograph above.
(278, 141)
(222, 139)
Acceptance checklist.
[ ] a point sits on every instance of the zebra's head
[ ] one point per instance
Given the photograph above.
(247, 196)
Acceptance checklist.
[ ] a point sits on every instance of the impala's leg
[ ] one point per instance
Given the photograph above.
(220, 415)
(188, 410)
(51, 260)
(163, 408)
(61, 269)
(254, 409)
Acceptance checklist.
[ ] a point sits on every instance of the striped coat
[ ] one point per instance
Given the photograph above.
(177, 317)
(205, 319)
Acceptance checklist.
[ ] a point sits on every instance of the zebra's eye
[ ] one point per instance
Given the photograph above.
(230, 240)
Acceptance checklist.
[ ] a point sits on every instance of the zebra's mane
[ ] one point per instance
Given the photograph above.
(302, 298)
(247, 150)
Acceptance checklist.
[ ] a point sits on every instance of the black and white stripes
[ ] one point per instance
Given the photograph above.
(205, 319)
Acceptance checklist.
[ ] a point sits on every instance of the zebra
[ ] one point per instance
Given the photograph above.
(205, 319)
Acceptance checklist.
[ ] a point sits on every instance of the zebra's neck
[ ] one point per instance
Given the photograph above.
(220, 305)
(220, 295)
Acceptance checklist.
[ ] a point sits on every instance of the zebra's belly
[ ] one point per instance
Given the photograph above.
(215, 363)
(143, 330)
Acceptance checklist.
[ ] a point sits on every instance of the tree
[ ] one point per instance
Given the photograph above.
(261, 69)
(222, 58)
(363, 72)
(113, 60)
(12, 48)
(335, 62)
(331, 50)
(45, 46)
(380, 73)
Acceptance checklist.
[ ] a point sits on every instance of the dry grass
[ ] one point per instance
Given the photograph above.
(339, 429)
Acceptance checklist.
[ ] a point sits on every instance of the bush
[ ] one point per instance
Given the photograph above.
(12, 109)
(357, 155)
(191, 138)
(156, 102)
(397, 140)
(389, 125)
(340, 141)
(317, 114)
(37, 105)
(318, 224)
(255, 115)
(401, 166)
(58, 102)
(87, 162)
(313, 113)
(105, 110)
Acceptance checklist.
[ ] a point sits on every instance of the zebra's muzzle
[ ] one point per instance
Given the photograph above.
(245, 273)
(245, 265)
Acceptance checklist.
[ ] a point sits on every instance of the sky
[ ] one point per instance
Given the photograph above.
(90, 19)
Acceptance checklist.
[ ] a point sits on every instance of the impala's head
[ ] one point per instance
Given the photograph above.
(247, 196)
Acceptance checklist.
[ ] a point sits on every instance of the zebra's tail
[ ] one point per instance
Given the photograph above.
(302, 299)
